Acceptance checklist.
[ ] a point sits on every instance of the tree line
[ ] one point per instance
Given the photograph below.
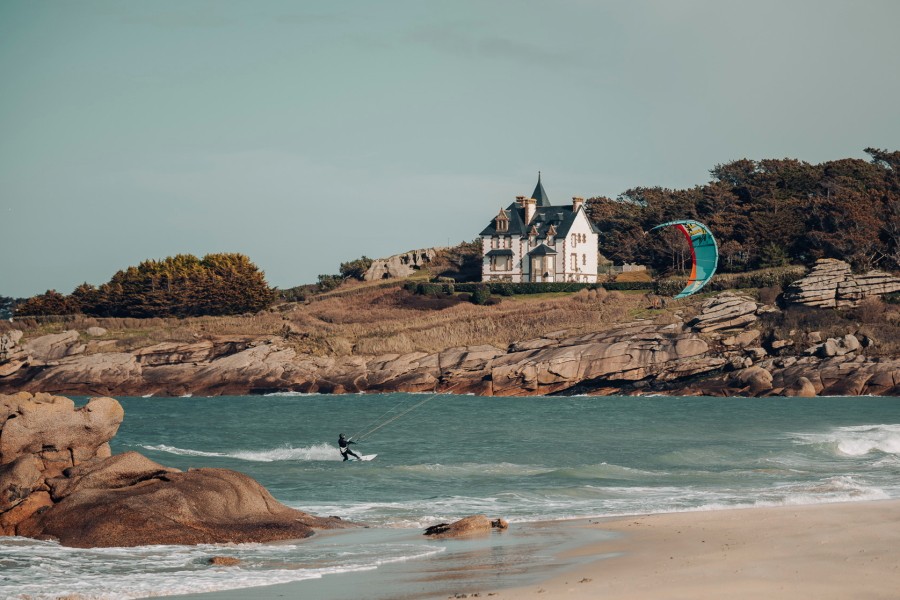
(765, 213)
(178, 286)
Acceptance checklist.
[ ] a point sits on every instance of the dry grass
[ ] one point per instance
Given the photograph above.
(376, 321)
(634, 276)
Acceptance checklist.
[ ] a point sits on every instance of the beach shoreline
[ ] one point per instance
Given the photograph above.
(831, 550)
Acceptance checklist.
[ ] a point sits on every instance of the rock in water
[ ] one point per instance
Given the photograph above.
(58, 481)
(474, 525)
(200, 506)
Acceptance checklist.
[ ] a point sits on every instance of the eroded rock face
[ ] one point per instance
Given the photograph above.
(58, 480)
(706, 355)
(832, 284)
(725, 311)
(399, 265)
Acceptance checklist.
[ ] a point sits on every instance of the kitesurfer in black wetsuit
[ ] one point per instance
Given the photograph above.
(344, 445)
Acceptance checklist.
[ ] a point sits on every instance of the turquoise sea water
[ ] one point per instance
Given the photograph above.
(524, 459)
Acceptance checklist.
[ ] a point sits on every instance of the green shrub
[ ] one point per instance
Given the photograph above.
(481, 294)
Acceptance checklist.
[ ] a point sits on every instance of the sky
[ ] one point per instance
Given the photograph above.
(309, 133)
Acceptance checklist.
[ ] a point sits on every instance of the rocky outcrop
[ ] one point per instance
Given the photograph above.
(59, 481)
(725, 311)
(466, 527)
(832, 284)
(709, 353)
(399, 265)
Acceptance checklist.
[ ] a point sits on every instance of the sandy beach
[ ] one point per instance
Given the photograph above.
(845, 550)
(840, 550)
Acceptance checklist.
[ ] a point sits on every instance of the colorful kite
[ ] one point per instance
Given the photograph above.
(704, 253)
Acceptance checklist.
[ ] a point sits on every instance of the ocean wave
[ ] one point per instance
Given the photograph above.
(315, 452)
(857, 440)
(36, 570)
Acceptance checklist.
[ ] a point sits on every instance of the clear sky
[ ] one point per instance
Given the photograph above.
(304, 134)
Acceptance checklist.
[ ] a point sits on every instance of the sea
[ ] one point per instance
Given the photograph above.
(443, 457)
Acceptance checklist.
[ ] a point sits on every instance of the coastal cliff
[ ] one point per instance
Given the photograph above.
(725, 345)
(717, 352)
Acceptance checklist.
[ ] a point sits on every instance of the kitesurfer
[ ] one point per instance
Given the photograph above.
(344, 445)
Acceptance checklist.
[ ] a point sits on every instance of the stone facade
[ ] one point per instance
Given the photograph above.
(532, 240)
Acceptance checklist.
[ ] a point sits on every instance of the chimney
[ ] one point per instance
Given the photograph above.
(530, 208)
(577, 203)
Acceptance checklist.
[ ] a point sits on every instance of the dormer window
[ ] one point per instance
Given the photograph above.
(551, 234)
(532, 235)
(501, 222)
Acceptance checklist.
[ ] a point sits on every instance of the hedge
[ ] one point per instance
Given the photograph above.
(781, 277)
(506, 288)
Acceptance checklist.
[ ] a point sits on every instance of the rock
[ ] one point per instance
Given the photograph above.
(739, 362)
(95, 331)
(745, 338)
(120, 471)
(11, 367)
(814, 337)
(51, 428)
(35, 503)
(58, 481)
(850, 343)
(201, 506)
(756, 379)
(836, 346)
(832, 284)
(468, 526)
(400, 265)
(51, 347)
(725, 311)
(801, 388)
(18, 479)
(224, 561)
(9, 343)
(756, 353)
(779, 344)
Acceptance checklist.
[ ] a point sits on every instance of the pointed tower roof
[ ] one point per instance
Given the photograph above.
(540, 194)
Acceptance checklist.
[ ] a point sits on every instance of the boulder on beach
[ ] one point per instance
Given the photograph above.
(468, 526)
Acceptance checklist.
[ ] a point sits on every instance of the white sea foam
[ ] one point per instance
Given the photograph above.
(315, 452)
(36, 570)
(858, 440)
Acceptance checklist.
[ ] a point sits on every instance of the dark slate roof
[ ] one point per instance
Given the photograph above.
(542, 250)
(540, 194)
(561, 217)
(500, 252)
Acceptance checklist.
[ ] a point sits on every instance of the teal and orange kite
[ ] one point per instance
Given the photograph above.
(704, 253)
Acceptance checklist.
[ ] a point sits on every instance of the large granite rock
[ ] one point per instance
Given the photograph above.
(725, 311)
(399, 265)
(53, 346)
(832, 284)
(59, 481)
(201, 506)
(51, 428)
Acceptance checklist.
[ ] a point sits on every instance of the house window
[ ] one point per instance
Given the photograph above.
(574, 262)
(500, 263)
(584, 259)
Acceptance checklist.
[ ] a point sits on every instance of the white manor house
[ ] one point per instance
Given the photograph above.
(532, 240)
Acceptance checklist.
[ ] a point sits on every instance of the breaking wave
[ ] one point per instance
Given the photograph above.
(315, 452)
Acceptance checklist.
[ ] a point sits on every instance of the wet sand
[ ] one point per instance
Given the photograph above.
(845, 550)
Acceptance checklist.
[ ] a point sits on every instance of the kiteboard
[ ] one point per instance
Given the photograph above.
(364, 457)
